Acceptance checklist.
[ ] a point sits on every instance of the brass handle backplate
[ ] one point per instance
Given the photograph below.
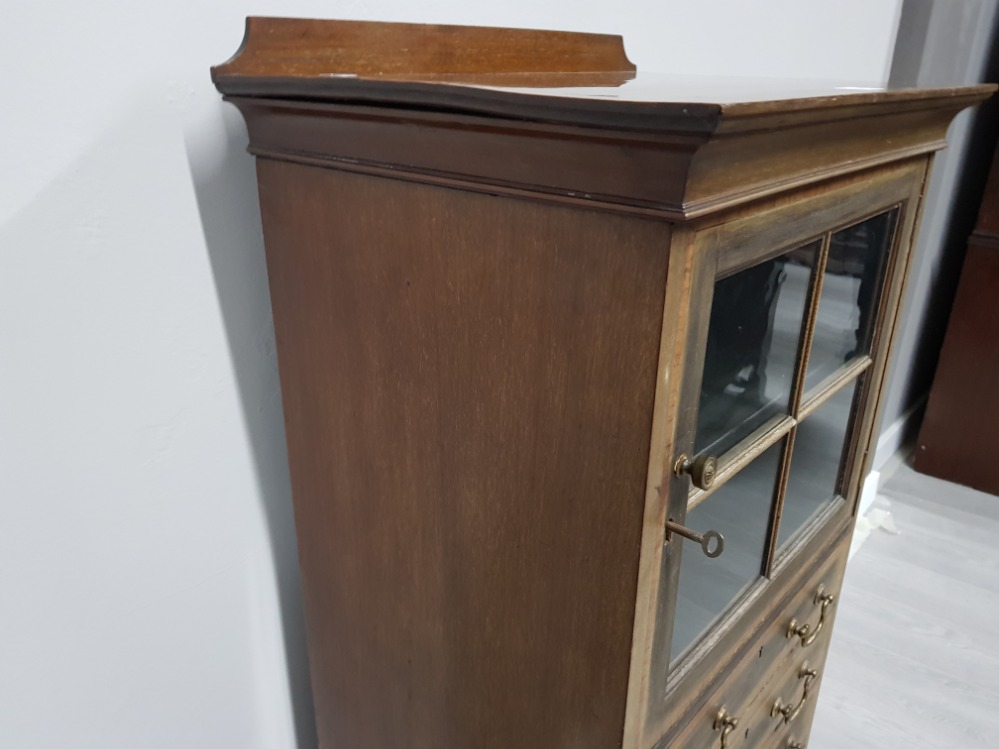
(789, 712)
(805, 631)
(726, 724)
(712, 542)
(702, 470)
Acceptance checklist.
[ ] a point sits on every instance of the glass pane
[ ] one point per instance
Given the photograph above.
(850, 293)
(740, 511)
(752, 345)
(815, 462)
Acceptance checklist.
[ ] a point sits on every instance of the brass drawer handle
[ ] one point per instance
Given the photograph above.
(805, 631)
(702, 470)
(712, 542)
(726, 724)
(788, 712)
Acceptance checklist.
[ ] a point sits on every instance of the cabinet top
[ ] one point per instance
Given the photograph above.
(556, 77)
(559, 116)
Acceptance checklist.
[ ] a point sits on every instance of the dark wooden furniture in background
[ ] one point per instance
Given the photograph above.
(959, 437)
(515, 285)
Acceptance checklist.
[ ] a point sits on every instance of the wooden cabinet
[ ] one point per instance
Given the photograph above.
(961, 427)
(538, 316)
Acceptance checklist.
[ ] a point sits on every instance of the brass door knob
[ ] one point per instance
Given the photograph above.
(702, 470)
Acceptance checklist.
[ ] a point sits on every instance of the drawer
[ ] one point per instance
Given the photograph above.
(778, 716)
(796, 736)
(802, 624)
(796, 633)
(781, 715)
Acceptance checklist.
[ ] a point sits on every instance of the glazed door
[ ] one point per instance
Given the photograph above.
(788, 340)
(788, 311)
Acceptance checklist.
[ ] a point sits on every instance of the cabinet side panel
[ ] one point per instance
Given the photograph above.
(468, 384)
(957, 441)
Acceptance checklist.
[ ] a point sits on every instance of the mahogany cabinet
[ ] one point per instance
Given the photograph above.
(538, 316)
(960, 431)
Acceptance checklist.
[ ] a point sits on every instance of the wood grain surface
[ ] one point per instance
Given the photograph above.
(468, 107)
(487, 373)
(768, 666)
(313, 47)
(960, 432)
(468, 387)
(543, 76)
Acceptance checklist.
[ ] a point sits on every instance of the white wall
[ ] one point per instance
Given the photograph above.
(148, 587)
(940, 44)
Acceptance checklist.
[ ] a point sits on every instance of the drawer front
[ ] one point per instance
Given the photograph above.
(795, 736)
(777, 717)
(782, 714)
(797, 634)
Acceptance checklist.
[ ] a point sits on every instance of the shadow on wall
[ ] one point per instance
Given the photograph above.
(941, 44)
(225, 185)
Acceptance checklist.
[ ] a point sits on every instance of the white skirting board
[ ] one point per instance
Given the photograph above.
(889, 454)
(868, 493)
(873, 512)
(863, 528)
(894, 436)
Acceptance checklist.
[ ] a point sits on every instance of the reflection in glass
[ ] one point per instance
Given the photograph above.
(816, 460)
(740, 511)
(851, 289)
(752, 344)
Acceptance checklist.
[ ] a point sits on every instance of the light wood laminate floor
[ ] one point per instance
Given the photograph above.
(914, 660)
